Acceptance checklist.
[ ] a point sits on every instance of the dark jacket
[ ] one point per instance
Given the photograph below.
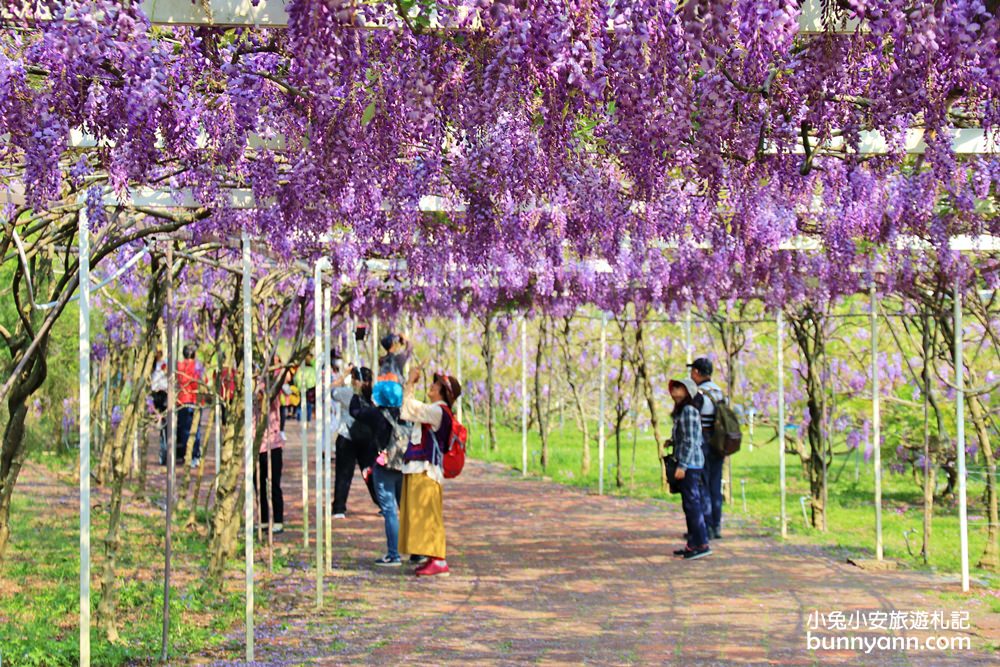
(425, 449)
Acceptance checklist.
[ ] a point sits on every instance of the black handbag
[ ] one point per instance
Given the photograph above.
(670, 464)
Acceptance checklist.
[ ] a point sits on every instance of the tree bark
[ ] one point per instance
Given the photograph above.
(990, 560)
(543, 421)
(572, 382)
(120, 452)
(807, 328)
(647, 385)
(488, 359)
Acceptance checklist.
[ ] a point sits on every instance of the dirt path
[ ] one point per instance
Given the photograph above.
(545, 574)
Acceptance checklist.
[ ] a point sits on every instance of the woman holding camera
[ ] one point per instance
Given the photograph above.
(421, 532)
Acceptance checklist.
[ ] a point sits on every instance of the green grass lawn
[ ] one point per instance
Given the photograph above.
(39, 624)
(851, 512)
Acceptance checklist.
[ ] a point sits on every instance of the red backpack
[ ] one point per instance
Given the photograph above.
(454, 453)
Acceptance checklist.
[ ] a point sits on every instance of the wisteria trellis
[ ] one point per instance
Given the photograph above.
(562, 130)
(634, 132)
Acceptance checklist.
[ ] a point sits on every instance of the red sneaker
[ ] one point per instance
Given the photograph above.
(435, 567)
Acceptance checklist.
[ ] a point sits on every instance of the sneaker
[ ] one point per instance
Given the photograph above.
(418, 560)
(284, 437)
(435, 567)
(715, 533)
(681, 552)
(385, 561)
(195, 463)
(278, 528)
(339, 515)
(698, 553)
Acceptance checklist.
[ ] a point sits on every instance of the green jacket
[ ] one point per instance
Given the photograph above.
(305, 378)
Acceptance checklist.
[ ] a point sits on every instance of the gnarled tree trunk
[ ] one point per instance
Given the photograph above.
(489, 360)
(807, 327)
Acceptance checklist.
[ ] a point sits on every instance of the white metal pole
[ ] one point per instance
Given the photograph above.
(318, 416)
(458, 363)
(304, 441)
(963, 513)
(603, 401)
(171, 449)
(351, 329)
(524, 396)
(84, 241)
(374, 345)
(876, 426)
(248, 428)
(781, 420)
(328, 433)
(688, 337)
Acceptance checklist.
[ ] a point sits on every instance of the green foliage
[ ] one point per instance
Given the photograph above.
(39, 626)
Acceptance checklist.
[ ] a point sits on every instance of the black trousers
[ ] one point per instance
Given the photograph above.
(277, 500)
(349, 455)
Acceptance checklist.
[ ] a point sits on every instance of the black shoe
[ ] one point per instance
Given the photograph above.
(715, 533)
(698, 553)
(681, 552)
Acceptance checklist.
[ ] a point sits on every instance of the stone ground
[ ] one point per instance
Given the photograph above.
(549, 575)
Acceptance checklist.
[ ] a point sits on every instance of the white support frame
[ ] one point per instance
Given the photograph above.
(780, 322)
(84, 243)
(319, 418)
(876, 424)
(524, 396)
(963, 511)
(328, 430)
(601, 436)
(458, 363)
(248, 439)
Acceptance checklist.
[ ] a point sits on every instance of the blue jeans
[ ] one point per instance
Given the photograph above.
(185, 420)
(713, 483)
(691, 501)
(388, 488)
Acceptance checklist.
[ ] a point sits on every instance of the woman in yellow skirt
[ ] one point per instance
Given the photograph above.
(421, 530)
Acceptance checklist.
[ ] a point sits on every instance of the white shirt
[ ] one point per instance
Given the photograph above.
(712, 393)
(159, 380)
(342, 402)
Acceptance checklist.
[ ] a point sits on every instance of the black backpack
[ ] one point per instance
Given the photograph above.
(395, 439)
(726, 434)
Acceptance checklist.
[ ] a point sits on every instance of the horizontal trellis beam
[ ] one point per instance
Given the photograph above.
(185, 198)
(965, 141)
(273, 14)
(242, 198)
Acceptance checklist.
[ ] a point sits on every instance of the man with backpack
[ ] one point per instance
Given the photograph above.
(721, 432)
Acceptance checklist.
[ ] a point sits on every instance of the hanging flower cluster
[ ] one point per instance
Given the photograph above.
(545, 152)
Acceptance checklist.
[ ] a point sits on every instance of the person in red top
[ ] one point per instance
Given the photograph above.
(226, 384)
(188, 379)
